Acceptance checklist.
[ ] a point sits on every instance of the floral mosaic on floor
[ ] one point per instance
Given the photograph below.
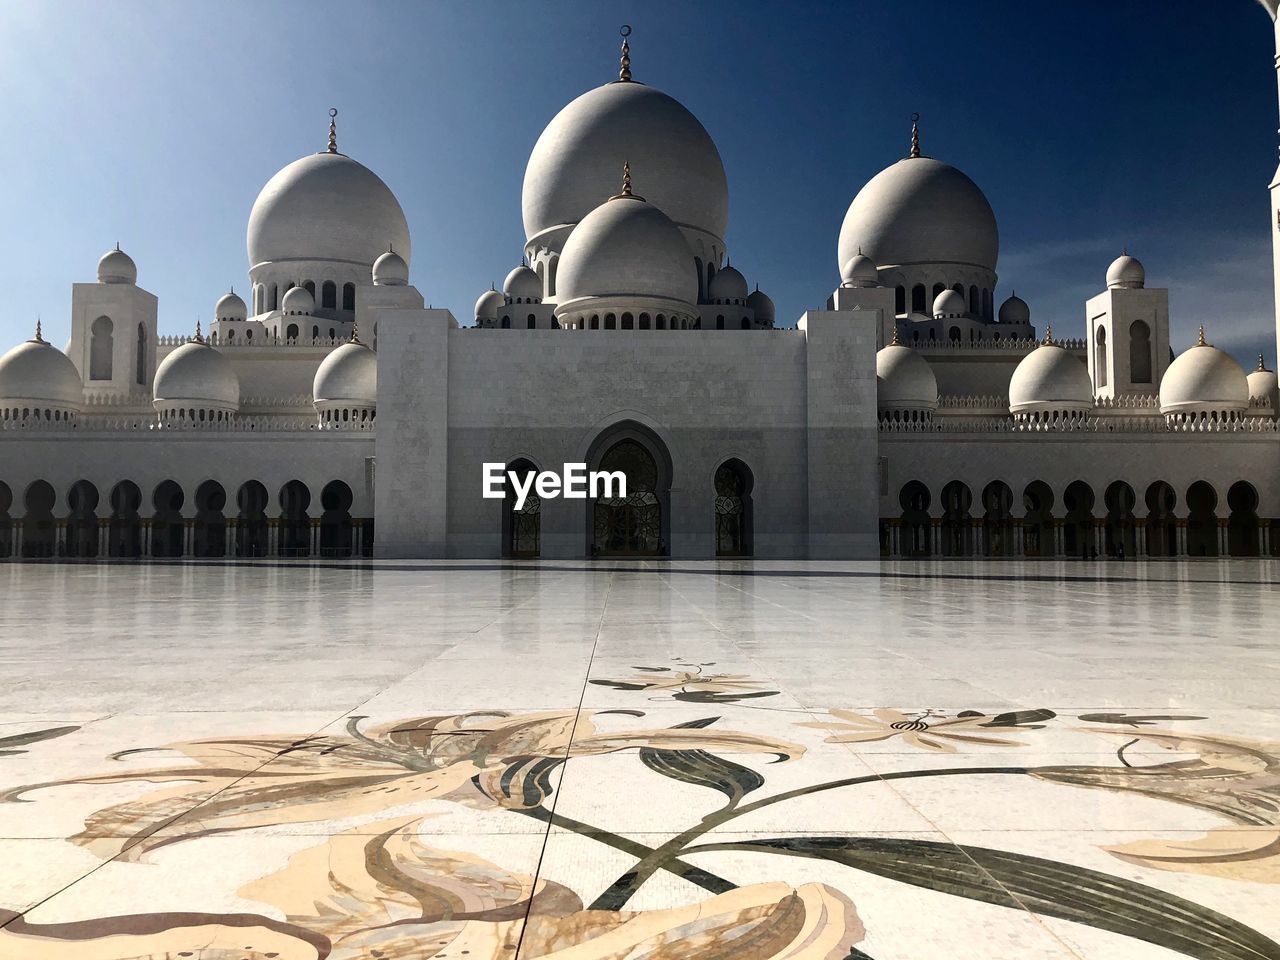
(387, 890)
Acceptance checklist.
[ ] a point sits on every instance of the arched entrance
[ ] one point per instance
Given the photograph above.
(733, 483)
(635, 525)
(39, 530)
(167, 527)
(125, 537)
(1077, 530)
(1242, 524)
(82, 521)
(295, 525)
(957, 531)
(521, 529)
(1202, 521)
(1037, 520)
(211, 525)
(1119, 536)
(252, 534)
(916, 530)
(997, 522)
(1162, 526)
(335, 522)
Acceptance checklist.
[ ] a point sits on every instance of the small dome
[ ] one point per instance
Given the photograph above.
(921, 211)
(1204, 379)
(198, 376)
(326, 207)
(1126, 273)
(904, 380)
(298, 301)
(626, 247)
(390, 270)
(1015, 310)
(760, 302)
(116, 266)
(523, 284)
(347, 377)
(950, 304)
(1263, 383)
(490, 305)
(1050, 380)
(230, 307)
(38, 373)
(727, 286)
(860, 271)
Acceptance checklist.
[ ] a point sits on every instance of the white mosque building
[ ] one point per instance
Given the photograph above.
(913, 414)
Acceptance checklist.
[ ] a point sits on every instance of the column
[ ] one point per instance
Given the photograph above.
(1224, 545)
(188, 538)
(935, 528)
(975, 538)
(1019, 544)
(18, 529)
(1182, 538)
(1140, 538)
(315, 536)
(60, 538)
(273, 537)
(146, 538)
(1264, 537)
(104, 536)
(1059, 540)
(895, 538)
(233, 525)
(357, 537)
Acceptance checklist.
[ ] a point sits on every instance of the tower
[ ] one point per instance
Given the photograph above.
(1128, 333)
(113, 330)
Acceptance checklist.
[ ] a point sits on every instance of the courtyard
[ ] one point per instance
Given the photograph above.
(645, 760)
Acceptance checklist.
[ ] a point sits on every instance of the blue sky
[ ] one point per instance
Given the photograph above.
(1091, 126)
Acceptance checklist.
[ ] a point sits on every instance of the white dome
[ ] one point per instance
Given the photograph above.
(574, 165)
(950, 304)
(490, 305)
(904, 380)
(326, 207)
(1204, 379)
(921, 210)
(1050, 380)
(298, 301)
(348, 376)
(859, 271)
(390, 270)
(760, 302)
(1263, 383)
(523, 283)
(38, 373)
(230, 307)
(1126, 272)
(195, 374)
(626, 247)
(116, 266)
(1015, 310)
(727, 285)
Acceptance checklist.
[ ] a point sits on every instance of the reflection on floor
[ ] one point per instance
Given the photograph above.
(651, 761)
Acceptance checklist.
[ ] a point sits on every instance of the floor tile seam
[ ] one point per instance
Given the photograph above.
(167, 823)
(555, 797)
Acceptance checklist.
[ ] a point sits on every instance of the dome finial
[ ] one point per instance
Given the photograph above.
(626, 193)
(333, 129)
(1262, 366)
(624, 70)
(894, 341)
(355, 331)
(199, 337)
(1201, 342)
(915, 136)
(1048, 336)
(39, 338)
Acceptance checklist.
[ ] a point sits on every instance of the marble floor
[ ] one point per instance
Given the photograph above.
(650, 761)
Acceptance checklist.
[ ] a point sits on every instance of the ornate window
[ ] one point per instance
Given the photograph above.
(630, 525)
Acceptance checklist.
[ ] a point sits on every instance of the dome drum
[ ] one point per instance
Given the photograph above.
(627, 312)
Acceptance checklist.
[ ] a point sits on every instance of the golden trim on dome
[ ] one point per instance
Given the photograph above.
(624, 69)
(915, 137)
(1048, 340)
(626, 193)
(333, 130)
(1200, 341)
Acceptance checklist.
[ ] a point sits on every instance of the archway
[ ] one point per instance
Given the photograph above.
(167, 527)
(1078, 538)
(916, 529)
(252, 526)
(734, 520)
(997, 522)
(125, 536)
(295, 525)
(101, 348)
(6, 522)
(1038, 538)
(521, 529)
(1119, 539)
(211, 524)
(635, 525)
(1162, 526)
(1202, 521)
(957, 530)
(335, 520)
(39, 529)
(82, 520)
(1242, 524)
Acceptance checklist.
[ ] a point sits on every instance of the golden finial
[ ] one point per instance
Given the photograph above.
(355, 331)
(39, 338)
(1201, 342)
(1048, 336)
(199, 337)
(1262, 367)
(895, 342)
(915, 135)
(333, 129)
(624, 71)
(626, 193)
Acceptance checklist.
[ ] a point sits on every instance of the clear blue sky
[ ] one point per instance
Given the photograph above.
(1090, 126)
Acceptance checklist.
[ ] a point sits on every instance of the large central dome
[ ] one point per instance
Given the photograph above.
(921, 211)
(574, 165)
(326, 207)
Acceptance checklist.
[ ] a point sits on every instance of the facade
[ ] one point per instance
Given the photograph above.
(916, 413)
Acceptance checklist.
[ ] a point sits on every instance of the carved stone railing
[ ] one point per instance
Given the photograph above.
(1091, 425)
(148, 425)
(1012, 344)
(168, 340)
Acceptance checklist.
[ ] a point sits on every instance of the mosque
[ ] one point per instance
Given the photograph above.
(328, 412)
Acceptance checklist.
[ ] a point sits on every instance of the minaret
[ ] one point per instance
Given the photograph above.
(1273, 10)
